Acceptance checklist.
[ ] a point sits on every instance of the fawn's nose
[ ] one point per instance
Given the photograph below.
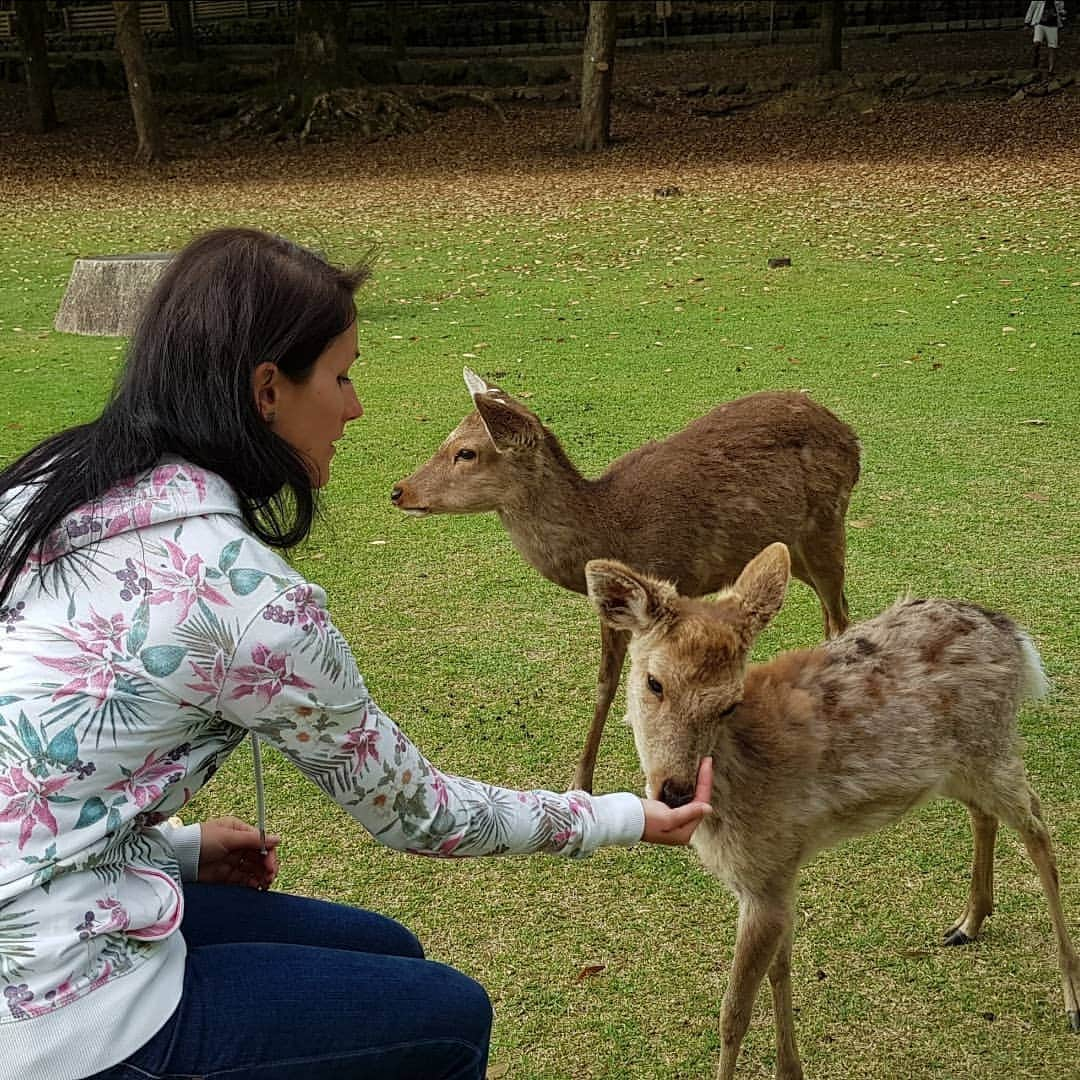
(395, 495)
(674, 794)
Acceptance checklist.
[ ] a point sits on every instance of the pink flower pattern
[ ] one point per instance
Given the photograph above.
(185, 583)
(211, 679)
(267, 675)
(27, 801)
(148, 782)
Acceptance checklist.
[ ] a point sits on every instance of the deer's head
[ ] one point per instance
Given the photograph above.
(688, 660)
(481, 464)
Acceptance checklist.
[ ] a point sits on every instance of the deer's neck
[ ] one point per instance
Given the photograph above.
(557, 523)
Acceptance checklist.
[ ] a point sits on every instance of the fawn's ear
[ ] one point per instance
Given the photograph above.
(508, 423)
(762, 585)
(627, 600)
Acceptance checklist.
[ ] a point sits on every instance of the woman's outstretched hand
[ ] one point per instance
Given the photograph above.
(666, 826)
(230, 854)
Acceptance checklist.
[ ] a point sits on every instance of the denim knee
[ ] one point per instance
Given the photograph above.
(472, 1008)
(401, 941)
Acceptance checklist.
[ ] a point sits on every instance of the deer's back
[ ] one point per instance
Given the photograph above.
(697, 506)
(847, 737)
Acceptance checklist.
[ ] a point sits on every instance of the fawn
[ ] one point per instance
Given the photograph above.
(822, 744)
(693, 508)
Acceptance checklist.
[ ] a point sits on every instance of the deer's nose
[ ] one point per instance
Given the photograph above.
(395, 495)
(674, 794)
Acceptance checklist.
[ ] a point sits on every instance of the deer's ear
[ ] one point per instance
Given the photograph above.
(626, 600)
(508, 423)
(762, 585)
(473, 381)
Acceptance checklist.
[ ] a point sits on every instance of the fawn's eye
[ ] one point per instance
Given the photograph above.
(465, 454)
(731, 708)
(655, 685)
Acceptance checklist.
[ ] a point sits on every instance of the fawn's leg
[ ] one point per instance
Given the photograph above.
(788, 1066)
(762, 925)
(981, 898)
(612, 653)
(1037, 841)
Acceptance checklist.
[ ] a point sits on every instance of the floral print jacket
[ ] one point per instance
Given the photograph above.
(136, 652)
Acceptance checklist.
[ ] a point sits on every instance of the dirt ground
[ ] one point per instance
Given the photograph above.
(472, 157)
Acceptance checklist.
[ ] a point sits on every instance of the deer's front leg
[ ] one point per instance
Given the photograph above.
(788, 1065)
(612, 653)
(762, 926)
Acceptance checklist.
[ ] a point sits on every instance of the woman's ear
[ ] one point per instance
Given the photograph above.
(264, 383)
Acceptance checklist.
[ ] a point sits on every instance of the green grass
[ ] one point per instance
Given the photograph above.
(938, 329)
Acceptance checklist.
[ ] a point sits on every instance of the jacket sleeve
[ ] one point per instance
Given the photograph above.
(1030, 17)
(186, 843)
(293, 680)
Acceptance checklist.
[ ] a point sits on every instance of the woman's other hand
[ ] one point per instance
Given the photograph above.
(230, 854)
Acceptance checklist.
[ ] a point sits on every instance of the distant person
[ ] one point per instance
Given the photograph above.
(1047, 17)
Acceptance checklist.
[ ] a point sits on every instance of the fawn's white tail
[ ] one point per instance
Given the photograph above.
(1034, 683)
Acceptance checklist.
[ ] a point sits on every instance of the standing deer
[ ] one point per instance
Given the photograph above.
(823, 744)
(692, 509)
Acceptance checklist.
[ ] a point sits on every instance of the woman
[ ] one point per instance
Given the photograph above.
(148, 625)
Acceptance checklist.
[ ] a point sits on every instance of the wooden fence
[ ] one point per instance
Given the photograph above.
(154, 15)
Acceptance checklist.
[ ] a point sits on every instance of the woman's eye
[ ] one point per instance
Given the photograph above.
(465, 455)
(345, 380)
(655, 686)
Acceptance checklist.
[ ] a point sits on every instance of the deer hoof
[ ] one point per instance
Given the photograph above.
(1074, 1021)
(957, 937)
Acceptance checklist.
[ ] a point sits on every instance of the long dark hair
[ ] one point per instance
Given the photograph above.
(230, 300)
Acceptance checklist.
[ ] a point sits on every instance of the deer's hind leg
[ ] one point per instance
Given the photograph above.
(981, 898)
(1019, 807)
(819, 561)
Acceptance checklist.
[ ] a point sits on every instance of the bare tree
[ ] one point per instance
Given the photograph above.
(30, 26)
(129, 40)
(396, 20)
(597, 75)
(832, 32)
(184, 28)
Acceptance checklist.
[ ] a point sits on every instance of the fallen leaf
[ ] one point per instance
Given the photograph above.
(495, 1072)
(1036, 496)
(588, 970)
(1035, 422)
(861, 523)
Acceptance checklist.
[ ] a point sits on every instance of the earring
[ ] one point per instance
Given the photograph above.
(271, 416)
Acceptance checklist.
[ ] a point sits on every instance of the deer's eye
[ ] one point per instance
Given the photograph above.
(731, 708)
(655, 685)
(465, 454)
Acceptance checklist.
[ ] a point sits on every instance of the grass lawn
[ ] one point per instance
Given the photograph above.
(941, 320)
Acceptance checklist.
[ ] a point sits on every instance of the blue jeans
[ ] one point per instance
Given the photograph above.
(279, 987)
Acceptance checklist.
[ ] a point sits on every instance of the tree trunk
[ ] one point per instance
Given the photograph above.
(184, 28)
(129, 40)
(395, 19)
(832, 32)
(597, 72)
(30, 23)
(322, 45)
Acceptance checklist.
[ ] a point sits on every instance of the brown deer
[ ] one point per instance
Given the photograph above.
(823, 744)
(693, 509)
